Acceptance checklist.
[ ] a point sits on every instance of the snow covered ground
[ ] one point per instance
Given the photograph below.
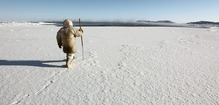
(122, 66)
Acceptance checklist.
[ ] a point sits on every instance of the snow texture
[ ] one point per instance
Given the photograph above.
(122, 66)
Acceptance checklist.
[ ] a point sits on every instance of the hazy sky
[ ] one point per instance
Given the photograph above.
(128, 10)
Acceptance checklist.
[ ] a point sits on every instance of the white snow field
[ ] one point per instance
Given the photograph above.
(122, 66)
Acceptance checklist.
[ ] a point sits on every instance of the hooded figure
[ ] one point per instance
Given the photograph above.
(66, 37)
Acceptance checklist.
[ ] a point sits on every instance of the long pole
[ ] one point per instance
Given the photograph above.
(82, 44)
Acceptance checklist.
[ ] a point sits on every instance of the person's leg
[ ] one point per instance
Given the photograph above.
(70, 57)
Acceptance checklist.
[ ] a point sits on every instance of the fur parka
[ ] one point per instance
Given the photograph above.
(66, 37)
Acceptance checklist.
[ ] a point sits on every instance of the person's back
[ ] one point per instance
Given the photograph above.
(66, 37)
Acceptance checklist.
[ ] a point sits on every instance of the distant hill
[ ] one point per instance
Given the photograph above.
(160, 21)
(204, 22)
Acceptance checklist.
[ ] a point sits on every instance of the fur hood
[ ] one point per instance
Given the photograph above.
(68, 23)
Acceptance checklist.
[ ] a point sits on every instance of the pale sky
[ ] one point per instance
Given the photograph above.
(180, 11)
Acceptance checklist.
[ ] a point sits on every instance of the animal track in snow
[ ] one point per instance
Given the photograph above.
(92, 60)
(92, 54)
(44, 87)
(51, 80)
(20, 100)
(94, 63)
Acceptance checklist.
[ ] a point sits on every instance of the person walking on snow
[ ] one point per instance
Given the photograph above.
(66, 38)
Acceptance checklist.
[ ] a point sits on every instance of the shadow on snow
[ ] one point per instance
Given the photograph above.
(37, 63)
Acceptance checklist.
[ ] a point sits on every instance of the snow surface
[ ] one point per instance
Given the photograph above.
(122, 65)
